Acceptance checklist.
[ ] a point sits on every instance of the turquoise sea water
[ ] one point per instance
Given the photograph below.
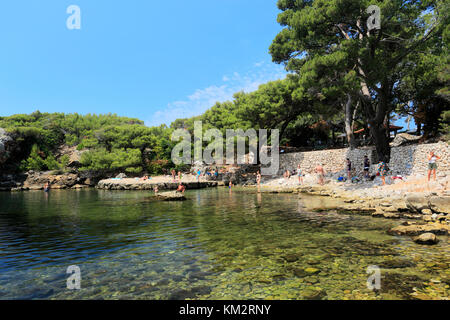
(216, 245)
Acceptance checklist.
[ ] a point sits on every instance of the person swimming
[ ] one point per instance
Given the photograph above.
(46, 187)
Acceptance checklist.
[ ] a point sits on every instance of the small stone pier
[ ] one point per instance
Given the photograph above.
(134, 184)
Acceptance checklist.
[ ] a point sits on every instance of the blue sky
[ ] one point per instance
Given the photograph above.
(154, 60)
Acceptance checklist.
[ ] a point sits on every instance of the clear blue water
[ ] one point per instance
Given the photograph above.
(216, 245)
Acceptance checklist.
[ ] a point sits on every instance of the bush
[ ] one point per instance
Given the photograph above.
(101, 159)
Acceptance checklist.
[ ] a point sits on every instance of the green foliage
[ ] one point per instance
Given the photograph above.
(114, 142)
(445, 126)
(102, 160)
(39, 161)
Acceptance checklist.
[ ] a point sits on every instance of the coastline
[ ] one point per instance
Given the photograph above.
(421, 207)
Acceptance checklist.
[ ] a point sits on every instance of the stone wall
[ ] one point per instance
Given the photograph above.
(405, 160)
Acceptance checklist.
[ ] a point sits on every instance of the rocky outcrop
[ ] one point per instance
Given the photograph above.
(404, 139)
(440, 204)
(426, 204)
(170, 196)
(36, 180)
(7, 146)
(136, 184)
(426, 238)
(417, 202)
(33, 180)
(417, 229)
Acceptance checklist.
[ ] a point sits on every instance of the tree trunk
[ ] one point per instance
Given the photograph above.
(381, 141)
(349, 122)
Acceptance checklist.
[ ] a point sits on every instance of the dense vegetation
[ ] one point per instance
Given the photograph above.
(114, 143)
(342, 77)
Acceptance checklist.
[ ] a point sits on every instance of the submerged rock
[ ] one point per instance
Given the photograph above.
(314, 293)
(426, 238)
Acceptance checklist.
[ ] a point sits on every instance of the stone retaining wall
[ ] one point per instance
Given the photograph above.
(405, 160)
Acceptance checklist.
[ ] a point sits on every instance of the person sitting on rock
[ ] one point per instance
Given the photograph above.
(181, 188)
(155, 189)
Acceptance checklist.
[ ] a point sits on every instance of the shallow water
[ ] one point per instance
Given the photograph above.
(216, 245)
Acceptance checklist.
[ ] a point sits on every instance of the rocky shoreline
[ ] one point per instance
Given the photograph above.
(421, 213)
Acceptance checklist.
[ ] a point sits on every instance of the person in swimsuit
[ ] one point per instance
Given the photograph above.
(181, 188)
(349, 169)
(366, 167)
(299, 175)
(382, 171)
(432, 165)
(320, 174)
(258, 178)
(46, 187)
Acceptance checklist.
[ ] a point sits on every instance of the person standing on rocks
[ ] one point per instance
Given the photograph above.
(299, 175)
(320, 174)
(349, 169)
(432, 165)
(366, 167)
(258, 178)
(382, 171)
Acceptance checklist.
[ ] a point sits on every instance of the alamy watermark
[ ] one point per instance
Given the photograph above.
(374, 20)
(74, 281)
(374, 280)
(74, 20)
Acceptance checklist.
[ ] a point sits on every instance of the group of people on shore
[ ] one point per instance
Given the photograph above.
(382, 170)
